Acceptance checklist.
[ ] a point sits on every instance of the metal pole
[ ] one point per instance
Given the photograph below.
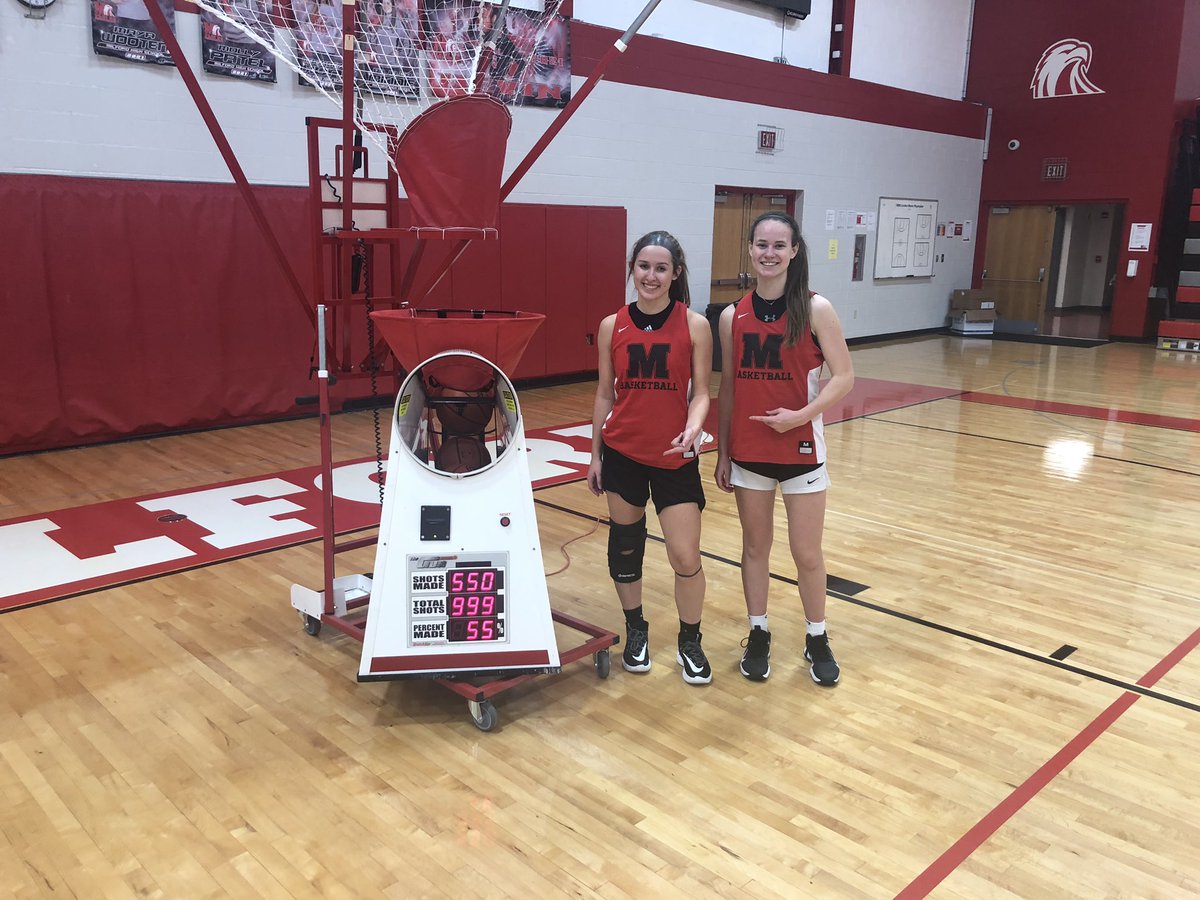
(327, 526)
(620, 46)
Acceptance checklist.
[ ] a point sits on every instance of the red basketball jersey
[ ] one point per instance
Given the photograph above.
(653, 386)
(767, 375)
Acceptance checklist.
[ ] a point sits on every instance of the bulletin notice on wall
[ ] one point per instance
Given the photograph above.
(904, 243)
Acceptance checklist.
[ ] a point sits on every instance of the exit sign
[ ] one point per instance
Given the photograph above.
(1054, 169)
(770, 139)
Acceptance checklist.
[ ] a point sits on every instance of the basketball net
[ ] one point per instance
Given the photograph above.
(409, 54)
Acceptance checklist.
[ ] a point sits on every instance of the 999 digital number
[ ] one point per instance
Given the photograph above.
(468, 606)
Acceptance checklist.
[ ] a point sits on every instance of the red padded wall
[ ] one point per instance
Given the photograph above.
(141, 307)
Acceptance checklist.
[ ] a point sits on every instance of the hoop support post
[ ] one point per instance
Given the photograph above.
(349, 154)
(619, 46)
(218, 136)
(328, 537)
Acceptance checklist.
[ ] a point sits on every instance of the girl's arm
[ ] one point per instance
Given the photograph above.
(725, 398)
(603, 403)
(701, 333)
(827, 329)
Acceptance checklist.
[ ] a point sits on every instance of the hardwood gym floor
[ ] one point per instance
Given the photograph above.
(1015, 605)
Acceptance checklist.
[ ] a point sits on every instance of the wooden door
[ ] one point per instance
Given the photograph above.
(733, 211)
(1017, 260)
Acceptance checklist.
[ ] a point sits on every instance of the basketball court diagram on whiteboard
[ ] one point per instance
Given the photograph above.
(904, 241)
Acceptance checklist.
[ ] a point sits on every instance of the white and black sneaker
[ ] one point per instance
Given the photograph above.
(636, 656)
(756, 661)
(824, 668)
(696, 669)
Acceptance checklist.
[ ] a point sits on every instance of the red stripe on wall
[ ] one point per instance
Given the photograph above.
(672, 66)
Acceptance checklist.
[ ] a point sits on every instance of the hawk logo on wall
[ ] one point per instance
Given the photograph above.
(1062, 71)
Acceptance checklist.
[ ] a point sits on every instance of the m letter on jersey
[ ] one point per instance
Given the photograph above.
(760, 354)
(648, 365)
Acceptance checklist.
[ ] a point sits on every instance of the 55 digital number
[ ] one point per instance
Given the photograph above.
(475, 630)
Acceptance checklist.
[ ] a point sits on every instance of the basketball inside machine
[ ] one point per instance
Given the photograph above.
(458, 592)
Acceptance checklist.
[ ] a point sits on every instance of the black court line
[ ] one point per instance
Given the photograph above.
(937, 626)
(1017, 337)
(989, 437)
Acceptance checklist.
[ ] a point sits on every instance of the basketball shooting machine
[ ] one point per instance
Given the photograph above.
(458, 591)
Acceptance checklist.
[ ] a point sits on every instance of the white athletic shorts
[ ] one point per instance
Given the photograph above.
(810, 483)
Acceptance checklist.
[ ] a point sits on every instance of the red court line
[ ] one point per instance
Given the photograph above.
(1090, 412)
(957, 854)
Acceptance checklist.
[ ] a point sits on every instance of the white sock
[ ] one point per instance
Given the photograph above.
(815, 628)
(758, 622)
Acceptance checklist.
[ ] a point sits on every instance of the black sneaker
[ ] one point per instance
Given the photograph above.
(824, 669)
(756, 661)
(636, 656)
(696, 669)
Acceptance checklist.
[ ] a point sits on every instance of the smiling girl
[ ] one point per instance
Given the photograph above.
(651, 400)
(774, 343)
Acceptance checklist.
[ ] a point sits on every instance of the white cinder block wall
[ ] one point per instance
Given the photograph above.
(660, 154)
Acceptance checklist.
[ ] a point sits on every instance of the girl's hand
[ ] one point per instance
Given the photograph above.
(781, 420)
(593, 477)
(724, 468)
(684, 442)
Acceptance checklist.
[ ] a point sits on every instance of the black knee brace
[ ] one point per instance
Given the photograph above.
(626, 548)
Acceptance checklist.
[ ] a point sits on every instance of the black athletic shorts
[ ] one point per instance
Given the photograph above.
(635, 482)
(781, 472)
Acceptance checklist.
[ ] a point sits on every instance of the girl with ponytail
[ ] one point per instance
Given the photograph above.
(774, 343)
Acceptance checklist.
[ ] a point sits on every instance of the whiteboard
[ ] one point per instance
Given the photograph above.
(904, 239)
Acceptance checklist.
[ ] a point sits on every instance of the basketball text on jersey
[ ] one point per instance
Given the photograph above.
(647, 369)
(762, 358)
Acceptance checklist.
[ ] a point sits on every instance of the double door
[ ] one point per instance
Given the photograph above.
(733, 211)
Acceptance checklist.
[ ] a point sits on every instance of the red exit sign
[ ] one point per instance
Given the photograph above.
(1054, 169)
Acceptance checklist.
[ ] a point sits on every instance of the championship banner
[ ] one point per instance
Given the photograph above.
(388, 59)
(318, 35)
(229, 49)
(124, 29)
(531, 66)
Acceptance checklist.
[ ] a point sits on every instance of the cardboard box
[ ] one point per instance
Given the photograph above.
(973, 299)
(972, 321)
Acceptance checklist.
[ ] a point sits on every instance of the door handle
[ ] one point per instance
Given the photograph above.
(1041, 274)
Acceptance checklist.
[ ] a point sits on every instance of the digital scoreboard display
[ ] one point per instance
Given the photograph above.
(457, 600)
